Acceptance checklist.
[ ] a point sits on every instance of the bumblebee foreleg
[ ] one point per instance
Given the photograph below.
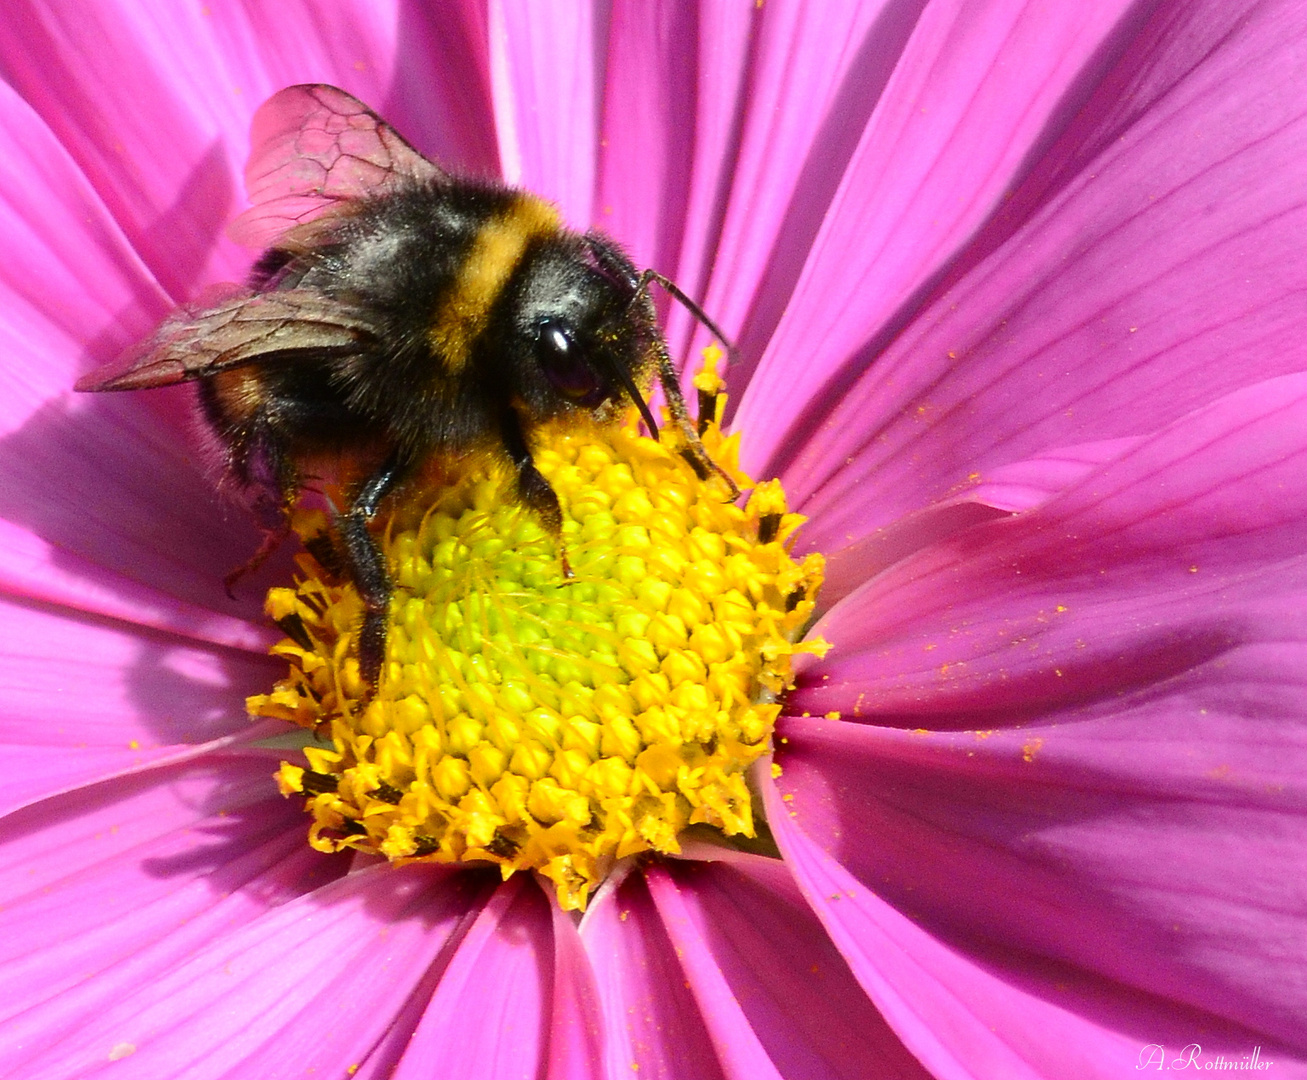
(692, 450)
(367, 565)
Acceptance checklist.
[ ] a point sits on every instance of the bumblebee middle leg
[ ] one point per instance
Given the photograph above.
(367, 565)
(532, 488)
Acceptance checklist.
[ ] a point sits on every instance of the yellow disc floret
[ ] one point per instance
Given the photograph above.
(534, 721)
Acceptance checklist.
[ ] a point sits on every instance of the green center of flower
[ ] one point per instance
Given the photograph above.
(543, 723)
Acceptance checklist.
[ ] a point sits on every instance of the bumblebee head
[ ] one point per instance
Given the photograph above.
(584, 328)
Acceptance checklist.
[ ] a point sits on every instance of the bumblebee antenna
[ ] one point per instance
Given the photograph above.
(615, 264)
(674, 291)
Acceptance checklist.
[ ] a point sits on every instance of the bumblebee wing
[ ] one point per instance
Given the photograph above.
(312, 149)
(274, 327)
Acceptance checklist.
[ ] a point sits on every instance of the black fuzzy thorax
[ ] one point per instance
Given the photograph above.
(397, 257)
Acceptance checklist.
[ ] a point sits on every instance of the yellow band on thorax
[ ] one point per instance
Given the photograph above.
(464, 311)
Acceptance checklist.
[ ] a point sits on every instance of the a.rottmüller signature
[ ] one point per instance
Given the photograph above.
(1154, 1057)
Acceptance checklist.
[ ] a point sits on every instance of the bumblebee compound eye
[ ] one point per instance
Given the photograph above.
(564, 365)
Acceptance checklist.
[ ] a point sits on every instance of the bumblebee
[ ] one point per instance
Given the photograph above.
(399, 312)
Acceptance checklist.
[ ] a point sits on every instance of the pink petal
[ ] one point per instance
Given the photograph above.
(37, 570)
(654, 1027)
(969, 1009)
(280, 995)
(710, 969)
(1023, 485)
(1152, 262)
(147, 111)
(852, 565)
(648, 139)
(104, 481)
(36, 773)
(1142, 850)
(156, 110)
(71, 280)
(576, 1036)
(971, 96)
(546, 62)
(722, 58)
(775, 994)
(82, 700)
(738, 1045)
(124, 879)
(97, 483)
(1144, 630)
(1019, 486)
(490, 1014)
(1181, 553)
(426, 71)
(787, 165)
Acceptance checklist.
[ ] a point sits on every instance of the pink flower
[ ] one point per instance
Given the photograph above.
(1020, 290)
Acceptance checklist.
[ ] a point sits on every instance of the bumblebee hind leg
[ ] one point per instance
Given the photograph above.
(271, 482)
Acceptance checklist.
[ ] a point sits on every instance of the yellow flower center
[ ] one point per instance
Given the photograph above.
(536, 722)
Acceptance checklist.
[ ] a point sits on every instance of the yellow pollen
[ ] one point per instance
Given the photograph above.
(542, 724)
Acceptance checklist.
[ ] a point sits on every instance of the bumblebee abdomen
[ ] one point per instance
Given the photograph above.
(235, 398)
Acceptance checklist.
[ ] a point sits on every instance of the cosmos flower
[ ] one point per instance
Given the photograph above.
(1019, 295)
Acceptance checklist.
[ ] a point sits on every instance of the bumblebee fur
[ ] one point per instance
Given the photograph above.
(400, 312)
